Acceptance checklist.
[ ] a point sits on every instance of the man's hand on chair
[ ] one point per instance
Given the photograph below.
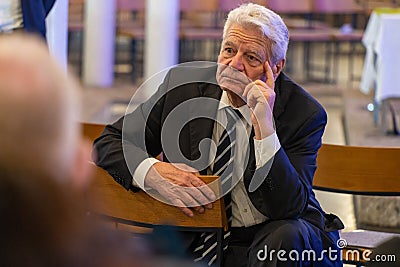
(180, 185)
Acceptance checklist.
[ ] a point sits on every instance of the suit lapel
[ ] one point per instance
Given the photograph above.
(280, 96)
(201, 127)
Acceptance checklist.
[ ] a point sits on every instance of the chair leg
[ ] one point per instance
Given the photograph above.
(376, 112)
(327, 62)
(335, 56)
(133, 52)
(307, 60)
(351, 61)
(220, 251)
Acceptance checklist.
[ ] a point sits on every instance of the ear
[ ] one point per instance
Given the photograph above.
(278, 67)
(83, 168)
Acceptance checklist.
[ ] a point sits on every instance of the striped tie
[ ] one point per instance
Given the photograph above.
(206, 251)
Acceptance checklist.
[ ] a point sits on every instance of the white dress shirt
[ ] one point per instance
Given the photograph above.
(10, 15)
(243, 211)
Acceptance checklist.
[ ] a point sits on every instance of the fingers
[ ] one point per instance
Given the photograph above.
(198, 189)
(186, 168)
(270, 81)
(253, 87)
(186, 204)
(180, 188)
(205, 189)
(188, 212)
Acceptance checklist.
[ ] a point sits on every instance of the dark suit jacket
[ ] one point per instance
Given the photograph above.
(286, 191)
(34, 13)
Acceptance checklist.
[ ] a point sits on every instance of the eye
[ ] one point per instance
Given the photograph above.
(253, 60)
(228, 51)
(251, 57)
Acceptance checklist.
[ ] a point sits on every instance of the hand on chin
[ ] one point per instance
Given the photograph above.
(232, 80)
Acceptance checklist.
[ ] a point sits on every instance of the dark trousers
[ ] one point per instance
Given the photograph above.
(282, 243)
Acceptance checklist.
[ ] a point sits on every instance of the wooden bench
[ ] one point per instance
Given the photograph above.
(341, 169)
(359, 171)
(136, 212)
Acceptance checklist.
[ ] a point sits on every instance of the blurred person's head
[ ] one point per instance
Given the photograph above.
(39, 224)
(43, 223)
(39, 105)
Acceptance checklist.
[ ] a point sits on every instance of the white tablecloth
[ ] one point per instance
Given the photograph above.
(382, 61)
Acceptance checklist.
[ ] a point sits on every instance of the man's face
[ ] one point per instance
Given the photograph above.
(244, 50)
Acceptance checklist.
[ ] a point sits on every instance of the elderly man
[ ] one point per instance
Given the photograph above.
(267, 165)
(40, 111)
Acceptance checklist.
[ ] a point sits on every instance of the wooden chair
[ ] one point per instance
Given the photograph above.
(345, 13)
(75, 33)
(139, 212)
(290, 10)
(130, 27)
(197, 13)
(199, 38)
(359, 171)
(341, 169)
(130, 13)
(303, 30)
(92, 130)
(370, 5)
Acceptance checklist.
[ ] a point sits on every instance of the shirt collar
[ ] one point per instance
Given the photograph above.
(244, 110)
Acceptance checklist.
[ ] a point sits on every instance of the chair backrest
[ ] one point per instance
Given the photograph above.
(111, 200)
(290, 7)
(336, 7)
(198, 5)
(75, 15)
(370, 5)
(131, 5)
(130, 13)
(228, 5)
(198, 13)
(358, 170)
(91, 130)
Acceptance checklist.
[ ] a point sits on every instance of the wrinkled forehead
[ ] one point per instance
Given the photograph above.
(250, 35)
(246, 35)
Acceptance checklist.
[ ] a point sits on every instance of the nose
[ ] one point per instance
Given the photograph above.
(237, 62)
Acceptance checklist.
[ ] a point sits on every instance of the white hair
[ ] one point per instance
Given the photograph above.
(268, 22)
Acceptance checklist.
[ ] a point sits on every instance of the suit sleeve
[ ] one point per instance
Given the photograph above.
(135, 137)
(286, 187)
